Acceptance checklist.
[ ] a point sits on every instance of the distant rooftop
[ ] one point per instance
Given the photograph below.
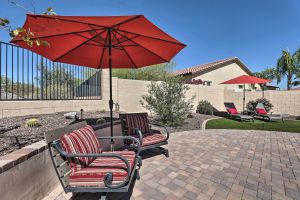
(212, 65)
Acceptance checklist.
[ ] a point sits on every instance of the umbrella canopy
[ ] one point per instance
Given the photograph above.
(100, 42)
(135, 42)
(246, 79)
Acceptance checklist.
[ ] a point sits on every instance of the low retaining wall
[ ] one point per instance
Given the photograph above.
(28, 173)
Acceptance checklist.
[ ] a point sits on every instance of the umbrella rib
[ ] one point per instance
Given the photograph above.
(102, 55)
(125, 21)
(89, 38)
(114, 33)
(178, 43)
(74, 48)
(144, 48)
(58, 35)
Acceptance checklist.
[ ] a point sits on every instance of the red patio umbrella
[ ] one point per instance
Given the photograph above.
(101, 42)
(246, 79)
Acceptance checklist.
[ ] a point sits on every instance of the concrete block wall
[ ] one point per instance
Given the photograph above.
(128, 94)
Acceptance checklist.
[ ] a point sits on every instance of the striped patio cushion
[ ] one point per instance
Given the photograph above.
(153, 138)
(84, 141)
(137, 120)
(92, 175)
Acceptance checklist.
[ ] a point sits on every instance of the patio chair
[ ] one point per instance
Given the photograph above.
(150, 135)
(82, 166)
(260, 112)
(233, 113)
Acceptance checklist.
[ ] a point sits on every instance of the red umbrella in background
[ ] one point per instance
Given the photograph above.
(246, 79)
(100, 42)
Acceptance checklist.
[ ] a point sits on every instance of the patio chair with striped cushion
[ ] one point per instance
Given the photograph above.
(150, 135)
(82, 166)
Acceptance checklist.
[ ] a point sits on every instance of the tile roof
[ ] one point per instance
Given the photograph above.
(211, 65)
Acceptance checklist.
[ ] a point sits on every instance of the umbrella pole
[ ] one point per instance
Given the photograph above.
(111, 102)
(244, 98)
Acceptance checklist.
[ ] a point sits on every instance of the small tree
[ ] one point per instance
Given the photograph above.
(167, 100)
(267, 104)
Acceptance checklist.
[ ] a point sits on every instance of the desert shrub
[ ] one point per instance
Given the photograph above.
(204, 107)
(267, 104)
(33, 122)
(167, 100)
(100, 121)
(102, 110)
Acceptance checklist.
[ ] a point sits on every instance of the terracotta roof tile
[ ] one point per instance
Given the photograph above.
(211, 65)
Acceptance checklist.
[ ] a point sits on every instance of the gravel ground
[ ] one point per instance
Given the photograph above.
(26, 135)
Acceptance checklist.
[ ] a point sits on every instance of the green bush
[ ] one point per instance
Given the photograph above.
(251, 105)
(204, 107)
(102, 110)
(167, 101)
(100, 121)
(298, 118)
(33, 122)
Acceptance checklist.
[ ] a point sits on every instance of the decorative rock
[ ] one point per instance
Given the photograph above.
(70, 115)
(8, 128)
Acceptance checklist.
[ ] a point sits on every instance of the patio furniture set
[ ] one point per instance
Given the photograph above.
(259, 113)
(82, 166)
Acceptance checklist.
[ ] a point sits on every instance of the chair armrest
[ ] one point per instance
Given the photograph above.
(109, 176)
(137, 131)
(137, 142)
(162, 126)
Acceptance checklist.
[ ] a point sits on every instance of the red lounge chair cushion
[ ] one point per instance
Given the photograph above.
(93, 174)
(82, 140)
(137, 120)
(261, 111)
(232, 111)
(153, 138)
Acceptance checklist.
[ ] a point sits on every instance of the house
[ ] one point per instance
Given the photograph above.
(214, 73)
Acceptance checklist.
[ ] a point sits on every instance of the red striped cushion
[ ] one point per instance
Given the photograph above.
(82, 140)
(153, 138)
(92, 175)
(137, 120)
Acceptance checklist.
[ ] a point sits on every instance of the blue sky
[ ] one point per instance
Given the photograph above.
(254, 30)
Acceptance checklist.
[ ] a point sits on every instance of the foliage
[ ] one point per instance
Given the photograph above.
(100, 121)
(152, 73)
(167, 100)
(251, 105)
(102, 110)
(204, 107)
(33, 122)
(288, 66)
(298, 118)
(26, 34)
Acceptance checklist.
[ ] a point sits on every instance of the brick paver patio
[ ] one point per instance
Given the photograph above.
(220, 164)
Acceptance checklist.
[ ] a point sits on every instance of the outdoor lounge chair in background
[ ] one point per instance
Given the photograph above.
(233, 113)
(82, 166)
(260, 112)
(138, 125)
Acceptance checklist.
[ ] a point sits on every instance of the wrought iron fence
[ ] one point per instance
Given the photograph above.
(26, 75)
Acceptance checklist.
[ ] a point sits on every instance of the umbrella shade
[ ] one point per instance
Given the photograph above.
(246, 79)
(82, 40)
(100, 42)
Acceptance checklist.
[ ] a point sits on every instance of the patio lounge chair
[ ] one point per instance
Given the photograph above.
(82, 166)
(260, 112)
(233, 113)
(149, 134)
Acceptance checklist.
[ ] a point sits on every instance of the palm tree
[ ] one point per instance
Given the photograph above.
(288, 66)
